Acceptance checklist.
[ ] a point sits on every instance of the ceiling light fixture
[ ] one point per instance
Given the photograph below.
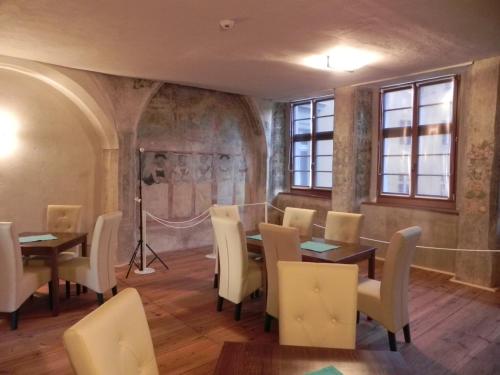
(342, 58)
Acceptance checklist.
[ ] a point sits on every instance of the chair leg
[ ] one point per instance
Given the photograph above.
(392, 341)
(78, 289)
(216, 280)
(114, 290)
(100, 298)
(406, 331)
(220, 301)
(68, 289)
(357, 317)
(237, 311)
(50, 295)
(14, 319)
(267, 322)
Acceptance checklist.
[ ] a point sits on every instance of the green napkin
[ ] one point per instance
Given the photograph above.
(41, 237)
(318, 247)
(330, 370)
(257, 237)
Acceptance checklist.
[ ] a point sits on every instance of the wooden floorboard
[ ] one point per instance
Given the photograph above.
(455, 328)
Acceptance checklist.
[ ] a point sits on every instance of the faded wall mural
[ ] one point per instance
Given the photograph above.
(202, 147)
(180, 185)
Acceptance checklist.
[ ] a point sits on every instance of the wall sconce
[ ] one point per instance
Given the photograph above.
(8, 133)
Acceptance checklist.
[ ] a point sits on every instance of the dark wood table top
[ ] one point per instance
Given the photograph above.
(63, 242)
(346, 253)
(270, 359)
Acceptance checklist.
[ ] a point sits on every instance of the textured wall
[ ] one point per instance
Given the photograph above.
(480, 175)
(207, 150)
(58, 160)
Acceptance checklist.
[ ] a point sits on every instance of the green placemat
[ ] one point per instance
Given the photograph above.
(318, 247)
(40, 237)
(257, 237)
(330, 370)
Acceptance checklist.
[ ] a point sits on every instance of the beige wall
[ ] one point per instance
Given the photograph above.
(58, 157)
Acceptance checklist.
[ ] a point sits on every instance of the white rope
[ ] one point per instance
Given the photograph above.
(434, 248)
(179, 222)
(158, 220)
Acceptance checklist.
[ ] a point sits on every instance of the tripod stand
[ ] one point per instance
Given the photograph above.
(141, 243)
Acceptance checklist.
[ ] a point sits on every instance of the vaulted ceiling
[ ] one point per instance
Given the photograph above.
(180, 40)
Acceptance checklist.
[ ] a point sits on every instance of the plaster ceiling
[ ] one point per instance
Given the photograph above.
(180, 40)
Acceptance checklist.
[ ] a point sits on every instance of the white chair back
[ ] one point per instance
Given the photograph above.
(103, 249)
(317, 304)
(64, 218)
(280, 243)
(300, 218)
(114, 339)
(343, 226)
(233, 258)
(395, 278)
(11, 266)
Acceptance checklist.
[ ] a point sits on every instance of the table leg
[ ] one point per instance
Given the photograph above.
(54, 268)
(371, 266)
(84, 254)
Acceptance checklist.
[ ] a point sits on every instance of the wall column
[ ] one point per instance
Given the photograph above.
(478, 192)
(351, 148)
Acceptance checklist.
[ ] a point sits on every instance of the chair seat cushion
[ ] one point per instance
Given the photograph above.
(76, 270)
(39, 260)
(254, 276)
(33, 278)
(369, 298)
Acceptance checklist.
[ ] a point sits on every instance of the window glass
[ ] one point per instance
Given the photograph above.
(324, 124)
(302, 111)
(324, 108)
(398, 99)
(398, 118)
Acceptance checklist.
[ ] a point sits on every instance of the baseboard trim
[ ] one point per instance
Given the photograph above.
(493, 290)
(424, 268)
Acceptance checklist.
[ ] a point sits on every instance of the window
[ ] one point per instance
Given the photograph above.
(418, 142)
(312, 144)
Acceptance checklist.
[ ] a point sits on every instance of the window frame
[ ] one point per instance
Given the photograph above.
(312, 137)
(413, 200)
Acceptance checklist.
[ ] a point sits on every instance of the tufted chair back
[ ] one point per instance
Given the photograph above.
(233, 258)
(114, 339)
(225, 211)
(11, 267)
(280, 243)
(395, 278)
(64, 218)
(317, 304)
(300, 218)
(343, 226)
(103, 250)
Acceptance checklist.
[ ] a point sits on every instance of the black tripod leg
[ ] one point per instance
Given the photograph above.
(132, 259)
(157, 257)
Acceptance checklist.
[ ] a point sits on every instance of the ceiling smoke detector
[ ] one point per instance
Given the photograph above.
(226, 24)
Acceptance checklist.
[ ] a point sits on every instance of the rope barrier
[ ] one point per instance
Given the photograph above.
(206, 215)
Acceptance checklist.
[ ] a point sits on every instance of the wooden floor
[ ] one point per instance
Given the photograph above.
(455, 329)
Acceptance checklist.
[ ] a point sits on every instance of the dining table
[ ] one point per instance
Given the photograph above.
(252, 358)
(50, 249)
(347, 253)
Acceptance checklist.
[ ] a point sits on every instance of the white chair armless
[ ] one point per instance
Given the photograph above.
(343, 226)
(113, 339)
(317, 304)
(300, 218)
(17, 283)
(280, 243)
(239, 275)
(387, 301)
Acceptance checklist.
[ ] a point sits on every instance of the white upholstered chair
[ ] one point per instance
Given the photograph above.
(17, 282)
(239, 276)
(317, 304)
(343, 226)
(114, 339)
(387, 301)
(300, 218)
(65, 219)
(280, 243)
(232, 212)
(97, 271)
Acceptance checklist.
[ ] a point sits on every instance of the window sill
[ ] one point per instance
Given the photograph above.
(449, 211)
(322, 194)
